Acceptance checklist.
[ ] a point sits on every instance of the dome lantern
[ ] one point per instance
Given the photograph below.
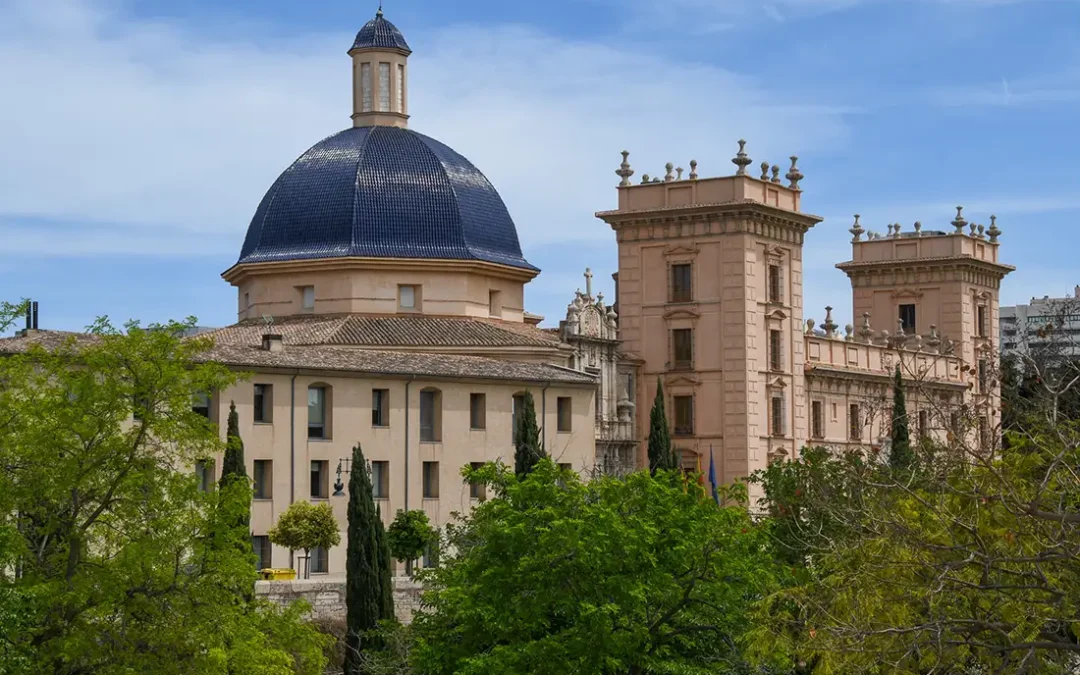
(380, 75)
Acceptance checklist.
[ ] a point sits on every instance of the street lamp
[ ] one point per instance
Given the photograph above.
(339, 487)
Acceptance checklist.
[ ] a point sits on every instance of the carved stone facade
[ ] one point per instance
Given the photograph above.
(591, 329)
(710, 297)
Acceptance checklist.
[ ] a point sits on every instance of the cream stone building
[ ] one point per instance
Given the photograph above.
(381, 301)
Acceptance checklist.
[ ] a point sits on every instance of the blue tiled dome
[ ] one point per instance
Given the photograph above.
(380, 34)
(382, 192)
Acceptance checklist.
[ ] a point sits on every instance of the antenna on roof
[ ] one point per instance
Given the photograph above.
(268, 321)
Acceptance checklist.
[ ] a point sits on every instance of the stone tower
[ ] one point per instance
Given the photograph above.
(922, 282)
(710, 302)
(380, 58)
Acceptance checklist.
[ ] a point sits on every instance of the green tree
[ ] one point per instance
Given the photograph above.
(661, 455)
(409, 536)
(972, 568)
(556, 576)
(367, 577)
(232, 465)
(304, 526)
(106, 565)
(901, 455)
(527, 447)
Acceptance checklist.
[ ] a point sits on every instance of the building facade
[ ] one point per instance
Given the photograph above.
(381, 302)
(1045, 327)
(710, 298)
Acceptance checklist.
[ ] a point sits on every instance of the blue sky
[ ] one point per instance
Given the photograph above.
(138, 136)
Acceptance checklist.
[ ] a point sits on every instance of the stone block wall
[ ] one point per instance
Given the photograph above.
(327, 598)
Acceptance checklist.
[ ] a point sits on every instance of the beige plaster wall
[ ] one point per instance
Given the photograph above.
(350, 423)
(375, 291)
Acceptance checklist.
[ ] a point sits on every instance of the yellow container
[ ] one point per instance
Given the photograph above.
(278, 574)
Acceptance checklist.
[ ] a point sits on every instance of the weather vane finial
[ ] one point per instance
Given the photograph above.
(379, 12)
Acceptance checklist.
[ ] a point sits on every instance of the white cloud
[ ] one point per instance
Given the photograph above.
(143, 134)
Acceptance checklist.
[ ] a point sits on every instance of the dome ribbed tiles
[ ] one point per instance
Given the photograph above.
(380, 34)
(382, 192)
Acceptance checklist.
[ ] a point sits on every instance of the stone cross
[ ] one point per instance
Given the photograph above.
(588, 283)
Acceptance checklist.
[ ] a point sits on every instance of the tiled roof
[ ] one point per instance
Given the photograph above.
(396, 363)
(382, 192)
(339, 358)
(380, 34)
(389, 332)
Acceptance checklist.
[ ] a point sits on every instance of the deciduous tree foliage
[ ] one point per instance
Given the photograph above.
(556, 576)
(106, 562)
(409, 536)
(969, 566)
(304, 526)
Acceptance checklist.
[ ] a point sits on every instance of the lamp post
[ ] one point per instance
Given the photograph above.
(344, 465)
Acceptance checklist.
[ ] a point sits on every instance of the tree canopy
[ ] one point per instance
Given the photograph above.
(109, 560)
(410, 535)
(527, 447)
(304, 526)
(634, 575)
(661, 455)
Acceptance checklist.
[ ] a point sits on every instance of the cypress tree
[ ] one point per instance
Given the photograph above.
(233, 464)
(366, 570)
(527, 450)
(661, 456)
(901, 456)
(386, 570)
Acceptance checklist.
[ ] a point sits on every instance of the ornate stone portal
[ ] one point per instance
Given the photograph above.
(592, 329)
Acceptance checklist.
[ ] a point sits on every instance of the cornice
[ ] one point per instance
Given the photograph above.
(241, 271)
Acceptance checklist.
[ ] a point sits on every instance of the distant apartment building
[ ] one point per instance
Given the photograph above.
(1050, 325)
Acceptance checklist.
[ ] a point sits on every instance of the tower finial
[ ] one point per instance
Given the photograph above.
(378, 13)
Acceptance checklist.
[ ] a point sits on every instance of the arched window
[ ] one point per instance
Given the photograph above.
(365, 87)
(515, 415)
(320, 411)
(430, 415)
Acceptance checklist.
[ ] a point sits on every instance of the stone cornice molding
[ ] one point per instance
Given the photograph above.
(883, 379)
(688, 312)
(742, 217)
(681, 252)
(239, 272)
(928, 270)
(681, 379)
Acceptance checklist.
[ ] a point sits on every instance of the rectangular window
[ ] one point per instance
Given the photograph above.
(384, 87)
(407, 297)
(776, 350)
(264, 402)
(431, 480)
(817, 419)
(684, 415)
(200, 405)
(308, 297)
(477, 490)
(317, 412)
(954, 425)
(204, 474)
(682, 341)
(777, 415)
(247, 303)
(682, 288)
(984, 433)
(428, 430)
(263, 480)
(320, 560)
(380, 480)
(924, 423)
(854, 423)
(494, 304)
(365, 86)
(980, 321)
(907, 318)
(477, 411)
(776, 288)
(380, 407)
(983, 375)
(320, 479)
(565, 408)
(401, 88)
(263, 551)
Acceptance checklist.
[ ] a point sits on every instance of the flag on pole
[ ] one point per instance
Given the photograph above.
(712, 476)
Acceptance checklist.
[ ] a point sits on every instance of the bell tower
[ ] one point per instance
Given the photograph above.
(380, 75)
